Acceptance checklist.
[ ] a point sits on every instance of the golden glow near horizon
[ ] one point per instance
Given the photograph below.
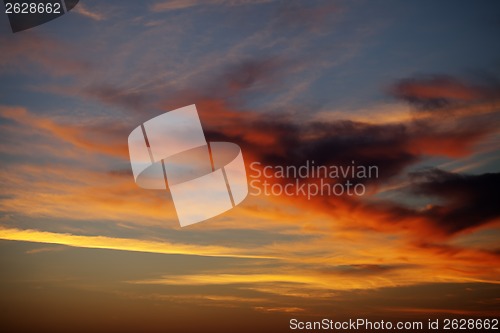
(355, 270)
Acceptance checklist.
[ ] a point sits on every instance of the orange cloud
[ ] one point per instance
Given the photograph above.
(436, 90)
(107, 138)
(41, 52)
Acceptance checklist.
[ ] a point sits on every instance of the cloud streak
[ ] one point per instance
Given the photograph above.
(170, 5)
(35, 51)
(86, 12)
(122, 244)
(439, 91)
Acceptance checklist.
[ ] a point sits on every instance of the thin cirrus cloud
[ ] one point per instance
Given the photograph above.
(100, 138)
(170, 5)
(91, 14)
(37, 51)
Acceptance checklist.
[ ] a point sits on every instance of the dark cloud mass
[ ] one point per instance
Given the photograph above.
(284, 142)
(468, 200)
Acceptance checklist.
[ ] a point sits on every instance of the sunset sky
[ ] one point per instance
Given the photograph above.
(410, 87)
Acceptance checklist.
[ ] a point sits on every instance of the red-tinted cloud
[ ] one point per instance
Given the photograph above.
(440, 91)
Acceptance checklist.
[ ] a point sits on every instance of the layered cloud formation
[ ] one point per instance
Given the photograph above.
(289, 84)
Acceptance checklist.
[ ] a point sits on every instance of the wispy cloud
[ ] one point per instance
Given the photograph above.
(34, 51)
(46, 249)
(102, 138)
(91, 14)
(169, 5)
